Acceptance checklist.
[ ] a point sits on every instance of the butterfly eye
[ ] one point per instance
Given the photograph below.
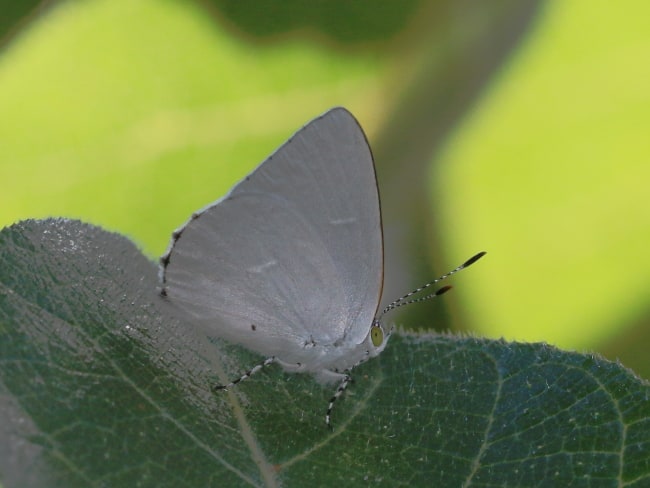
(376, 335)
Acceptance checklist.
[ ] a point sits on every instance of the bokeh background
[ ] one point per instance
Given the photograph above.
(516, 127)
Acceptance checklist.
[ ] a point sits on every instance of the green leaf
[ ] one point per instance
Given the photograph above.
(346, 22)
(101, 385)
(16, 14)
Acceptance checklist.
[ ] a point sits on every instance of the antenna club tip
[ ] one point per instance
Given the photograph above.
(442, 290)
(474, 258)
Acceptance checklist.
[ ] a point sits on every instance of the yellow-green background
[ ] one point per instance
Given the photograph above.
(520, 128)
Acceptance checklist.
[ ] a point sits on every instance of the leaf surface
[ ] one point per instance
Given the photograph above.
(100, 384)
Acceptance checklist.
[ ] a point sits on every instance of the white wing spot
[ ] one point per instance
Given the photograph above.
(349, 220)
(262, 267)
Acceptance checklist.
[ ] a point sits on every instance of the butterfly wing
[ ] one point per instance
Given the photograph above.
(291, 260)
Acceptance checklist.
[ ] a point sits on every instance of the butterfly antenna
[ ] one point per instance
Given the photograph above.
(404, 300)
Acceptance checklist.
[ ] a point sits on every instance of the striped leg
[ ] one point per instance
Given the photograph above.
(339, 391)
(247, 374)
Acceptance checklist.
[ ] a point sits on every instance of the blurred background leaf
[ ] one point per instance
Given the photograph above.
(514, 127)
(338, 21)
(17, 14)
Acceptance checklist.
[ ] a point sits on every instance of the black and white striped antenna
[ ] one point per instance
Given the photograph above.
(404, 300)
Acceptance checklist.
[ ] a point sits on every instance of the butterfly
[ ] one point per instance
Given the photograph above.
(289, 263)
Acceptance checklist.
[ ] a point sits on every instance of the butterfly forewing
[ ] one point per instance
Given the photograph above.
(292, 257)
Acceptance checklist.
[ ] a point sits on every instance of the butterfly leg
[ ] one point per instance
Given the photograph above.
(247, 374)
(339, 391)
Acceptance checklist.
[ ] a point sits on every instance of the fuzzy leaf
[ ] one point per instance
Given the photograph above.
(101, 385)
